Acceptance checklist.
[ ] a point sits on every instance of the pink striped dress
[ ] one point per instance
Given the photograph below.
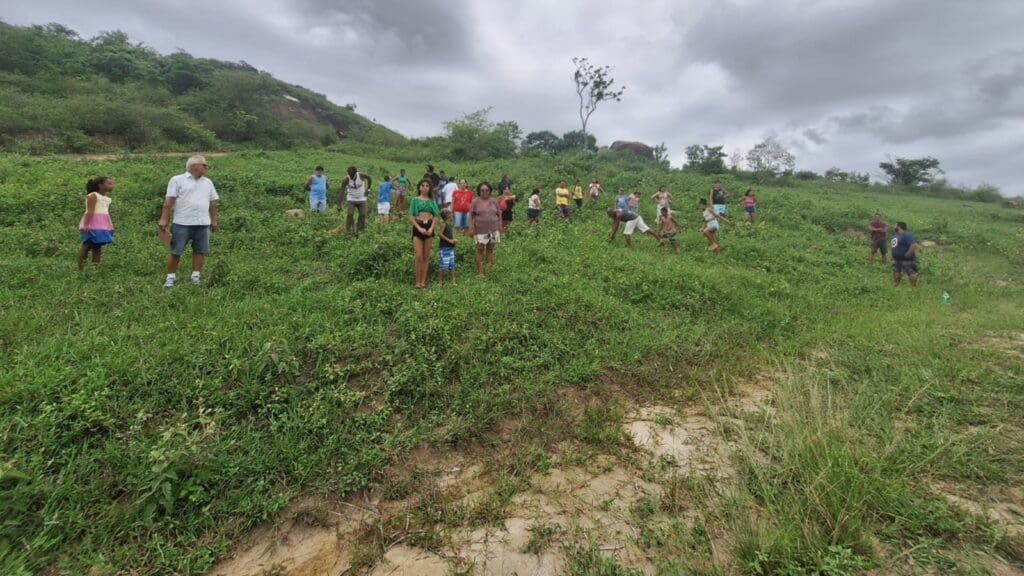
(97, 228)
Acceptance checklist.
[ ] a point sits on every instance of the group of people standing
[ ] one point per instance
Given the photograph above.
(440, 207)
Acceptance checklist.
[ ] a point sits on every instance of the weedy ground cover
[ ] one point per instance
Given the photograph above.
(145, 429)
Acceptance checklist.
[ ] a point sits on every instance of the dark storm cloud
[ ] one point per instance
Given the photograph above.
(842, 82)
(421, 31)
(815, 136)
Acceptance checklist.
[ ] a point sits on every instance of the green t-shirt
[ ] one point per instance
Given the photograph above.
(420, 205)
(402, 180)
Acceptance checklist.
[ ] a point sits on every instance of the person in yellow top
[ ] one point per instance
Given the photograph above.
(562, 199)
(577, 194)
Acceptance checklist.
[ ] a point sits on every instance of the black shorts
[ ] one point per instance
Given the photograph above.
(424, 224)
(880, 245)
(506, 216)
(579, 202)
(532, 213)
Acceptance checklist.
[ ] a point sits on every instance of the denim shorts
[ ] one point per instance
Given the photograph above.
(462, 219)
(317, 204)
(182, 235)
(719, 209)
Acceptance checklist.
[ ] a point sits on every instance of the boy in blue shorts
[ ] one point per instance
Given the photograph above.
(447, 249)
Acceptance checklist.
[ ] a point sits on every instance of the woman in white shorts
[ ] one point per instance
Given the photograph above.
(484, 226)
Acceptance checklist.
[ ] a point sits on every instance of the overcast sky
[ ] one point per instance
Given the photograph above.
(840, 82)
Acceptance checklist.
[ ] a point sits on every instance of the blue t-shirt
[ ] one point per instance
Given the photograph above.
(901, 242)
(622, 203)
(384, 192)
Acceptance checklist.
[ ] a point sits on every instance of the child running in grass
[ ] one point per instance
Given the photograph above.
(710, 228)
(446, 262)
(749, 202)
(664, 199)
(95, 228)
(668, 227)
(533, 208)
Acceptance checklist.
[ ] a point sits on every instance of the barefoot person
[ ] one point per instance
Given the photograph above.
(711, 226)
(95, 229)
(615, 213)
(668, 227)
(484, 226)
(194, 200)
(577, 195)
(633, 221)
(423, 214)
(904, 256)
(879, 243)
(663, 198)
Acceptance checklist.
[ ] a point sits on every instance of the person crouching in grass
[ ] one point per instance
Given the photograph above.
(668, 227)
(446, 262)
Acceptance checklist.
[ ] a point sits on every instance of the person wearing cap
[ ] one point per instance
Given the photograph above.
(317, 185)
(904, 255)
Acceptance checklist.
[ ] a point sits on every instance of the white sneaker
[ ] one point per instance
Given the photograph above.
(169, 283)
(194, 280)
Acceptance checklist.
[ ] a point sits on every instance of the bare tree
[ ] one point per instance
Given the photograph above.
(770, 158)
(594, 84)
(736, 159)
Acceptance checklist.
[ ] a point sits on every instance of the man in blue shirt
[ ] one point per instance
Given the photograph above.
(904, 255)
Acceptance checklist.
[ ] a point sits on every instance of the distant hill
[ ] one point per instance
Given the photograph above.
(62, 93)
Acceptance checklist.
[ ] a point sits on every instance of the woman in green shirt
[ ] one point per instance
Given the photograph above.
(423, 213)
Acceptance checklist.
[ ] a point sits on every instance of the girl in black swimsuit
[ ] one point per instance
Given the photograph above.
(423, 213)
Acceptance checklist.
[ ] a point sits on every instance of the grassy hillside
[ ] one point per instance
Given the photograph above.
(143, 430)
(61, 93)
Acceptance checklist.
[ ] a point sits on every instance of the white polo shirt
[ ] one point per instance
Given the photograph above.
(192, 199)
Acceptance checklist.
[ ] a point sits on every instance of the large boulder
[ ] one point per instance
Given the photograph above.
(639, 148)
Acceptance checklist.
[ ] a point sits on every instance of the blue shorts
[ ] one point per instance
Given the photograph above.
(317, 204)
(749, 209)
(182, 235)
(713, 225)
(720, 209)
(447, 258)
(97, 237)
(461, 219)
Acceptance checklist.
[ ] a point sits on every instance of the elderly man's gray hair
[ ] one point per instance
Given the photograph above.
(193, 160)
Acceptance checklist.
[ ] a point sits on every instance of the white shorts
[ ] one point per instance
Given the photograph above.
(383, 208)
(489, 238)
(635, 223)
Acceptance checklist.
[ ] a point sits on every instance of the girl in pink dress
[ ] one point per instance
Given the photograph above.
(95, 228)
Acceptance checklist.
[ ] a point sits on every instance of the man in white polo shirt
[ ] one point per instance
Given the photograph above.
(194, 199)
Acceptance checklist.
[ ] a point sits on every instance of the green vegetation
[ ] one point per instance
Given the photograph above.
(143, 430)
(60, 93)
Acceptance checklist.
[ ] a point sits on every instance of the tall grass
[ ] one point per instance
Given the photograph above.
(143, 429)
